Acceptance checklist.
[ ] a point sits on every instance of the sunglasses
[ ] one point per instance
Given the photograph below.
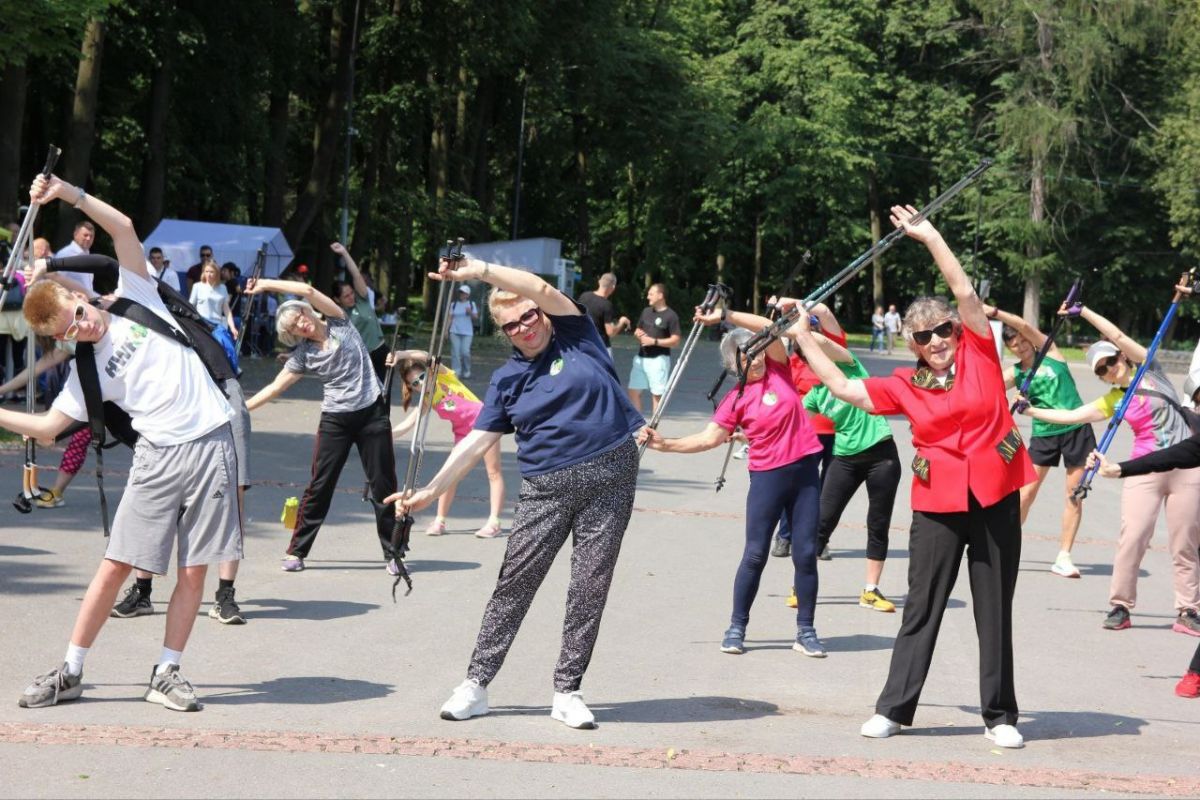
(943, 331)
(1104, 365)
(526, 320)
(416, 382)
(73, 329)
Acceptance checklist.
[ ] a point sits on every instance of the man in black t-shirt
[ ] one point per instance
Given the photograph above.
(657, 331)
(600, 310)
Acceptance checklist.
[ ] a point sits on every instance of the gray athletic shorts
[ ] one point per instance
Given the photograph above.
(241, 429)
(185, 491)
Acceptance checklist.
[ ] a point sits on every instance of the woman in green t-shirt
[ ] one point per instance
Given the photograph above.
(1052, 387)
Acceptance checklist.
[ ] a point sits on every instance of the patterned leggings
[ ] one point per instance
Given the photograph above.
(592, 501)
(76, 452)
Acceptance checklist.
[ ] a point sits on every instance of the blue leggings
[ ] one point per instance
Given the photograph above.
(795, 492)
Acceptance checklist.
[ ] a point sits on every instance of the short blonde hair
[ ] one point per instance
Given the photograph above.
(283, 319)
(44, 302)
(500, 299)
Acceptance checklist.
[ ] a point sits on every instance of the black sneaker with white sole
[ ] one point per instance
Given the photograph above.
(133, 604)
(226, 610)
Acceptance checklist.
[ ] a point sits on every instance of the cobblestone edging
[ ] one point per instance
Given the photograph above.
(599, 756)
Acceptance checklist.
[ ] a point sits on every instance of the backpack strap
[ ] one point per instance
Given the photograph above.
(93, 401)
(124, 307)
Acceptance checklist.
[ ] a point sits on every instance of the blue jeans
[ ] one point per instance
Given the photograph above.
(878, 335)
(793, 491)
(460, 354)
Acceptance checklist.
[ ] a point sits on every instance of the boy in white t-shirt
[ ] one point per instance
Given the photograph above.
(183, 481)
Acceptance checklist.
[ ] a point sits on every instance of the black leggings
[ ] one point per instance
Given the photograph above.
(879, 467)
(369, 430)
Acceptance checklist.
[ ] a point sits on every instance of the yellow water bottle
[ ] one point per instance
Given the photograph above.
(288, 517)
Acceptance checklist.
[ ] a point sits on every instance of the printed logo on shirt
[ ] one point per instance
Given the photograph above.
(770, 399)
(448, 404)
(556, 367)
(658, 321)
(120, 357)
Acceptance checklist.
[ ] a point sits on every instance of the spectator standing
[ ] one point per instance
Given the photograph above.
(160, 270)
(892, 322)
(657, 332)
(81, 244)
(601, 311)
(463, 313)
(878, 330)
(193, 273)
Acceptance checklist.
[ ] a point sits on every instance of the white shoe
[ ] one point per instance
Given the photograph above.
(1005, 736)
(469, 700)
(569, 709)
(879, 727)
(742, 452)
(1064, 566)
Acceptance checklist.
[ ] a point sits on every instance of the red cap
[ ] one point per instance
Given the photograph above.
(302, 269)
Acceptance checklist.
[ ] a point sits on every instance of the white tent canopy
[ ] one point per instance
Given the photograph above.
(180, 240)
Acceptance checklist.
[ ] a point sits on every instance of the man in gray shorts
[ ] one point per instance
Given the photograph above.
(225, 609)
(182, 485)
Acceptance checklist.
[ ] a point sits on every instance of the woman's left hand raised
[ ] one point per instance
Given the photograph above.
(460, 269)
(922, 230)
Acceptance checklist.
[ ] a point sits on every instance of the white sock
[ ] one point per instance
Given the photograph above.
(1063, 554)
(74, 659)
(167, 658)
(870, 587)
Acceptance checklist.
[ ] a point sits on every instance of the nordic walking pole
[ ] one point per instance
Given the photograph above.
(1085, 483)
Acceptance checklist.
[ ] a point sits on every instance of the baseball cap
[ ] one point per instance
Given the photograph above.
(465, 289)
(1099, 351)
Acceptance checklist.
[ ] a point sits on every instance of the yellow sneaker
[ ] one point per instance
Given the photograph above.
(50, 499)
(792, 602)
(874, 598)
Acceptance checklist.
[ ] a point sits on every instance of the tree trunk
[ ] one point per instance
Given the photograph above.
(13, 87)
(81, 130)
(876, 235)
(1037, 215)
(325, 131)
(755, 289)
(361, 243)
(154, 169)
(275, 173)
(582, 217)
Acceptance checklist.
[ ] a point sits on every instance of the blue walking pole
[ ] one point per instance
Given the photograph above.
(1085, 483)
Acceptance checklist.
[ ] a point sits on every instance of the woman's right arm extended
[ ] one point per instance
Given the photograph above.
(712, 436)
(464, 456)
(1131, 349)
(517, 281)
(318, 300)
(1059, 416)
(282, 381)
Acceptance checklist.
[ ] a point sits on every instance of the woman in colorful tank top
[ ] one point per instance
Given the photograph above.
(1051, 388)
(458, 405)
(1156, 418)
(783, 462)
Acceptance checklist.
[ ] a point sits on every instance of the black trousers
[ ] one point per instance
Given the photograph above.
(879, 467)
(992, 539)
(369, 430)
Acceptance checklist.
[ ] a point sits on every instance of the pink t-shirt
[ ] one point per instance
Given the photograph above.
(455, 403)
(771, 414)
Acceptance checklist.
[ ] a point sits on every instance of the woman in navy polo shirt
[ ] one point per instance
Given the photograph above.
(559, 393)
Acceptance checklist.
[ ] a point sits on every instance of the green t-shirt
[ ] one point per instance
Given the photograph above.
(854, 429)
(363, 318)
(1051, 387)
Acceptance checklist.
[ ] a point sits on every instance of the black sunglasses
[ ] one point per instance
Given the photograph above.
(943, 331)
(526, 320)
(1104, 365)
(416, 382)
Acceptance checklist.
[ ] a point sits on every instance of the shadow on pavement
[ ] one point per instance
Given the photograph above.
(318, 610)
(414, 565)
(7, 550)
(24, 577)
(1043, 725)
(666, 710)
(312, 690)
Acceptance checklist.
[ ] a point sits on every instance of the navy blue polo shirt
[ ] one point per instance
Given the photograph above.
(565, 405)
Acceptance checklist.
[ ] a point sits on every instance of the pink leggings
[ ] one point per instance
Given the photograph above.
(76, 452)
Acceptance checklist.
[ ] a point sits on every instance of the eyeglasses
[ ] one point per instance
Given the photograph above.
(526, 320)
(416, 382)
(943, 331)
(1104, 365)
(73, 329)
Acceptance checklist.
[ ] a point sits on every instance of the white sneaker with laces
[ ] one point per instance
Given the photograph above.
(569, 709)
(879, 727)
(1005, 736)
(468, 700)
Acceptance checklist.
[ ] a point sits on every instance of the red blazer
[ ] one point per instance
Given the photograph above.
(965, 438)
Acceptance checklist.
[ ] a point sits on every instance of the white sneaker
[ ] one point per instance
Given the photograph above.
(879, 727)
(742, 452)
(569, 709)
(1064, 566)
(469, 700)
(1005, 736)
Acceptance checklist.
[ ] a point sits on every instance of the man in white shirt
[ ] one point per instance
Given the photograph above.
(182, 486)
(160, 270)
(81, 244)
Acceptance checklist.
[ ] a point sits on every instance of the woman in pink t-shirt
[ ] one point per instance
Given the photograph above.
(784, 457)
(458, 405)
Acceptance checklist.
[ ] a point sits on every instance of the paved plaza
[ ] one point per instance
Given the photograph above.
(331, 689)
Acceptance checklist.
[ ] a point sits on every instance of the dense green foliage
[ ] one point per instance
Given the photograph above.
(663, 139)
